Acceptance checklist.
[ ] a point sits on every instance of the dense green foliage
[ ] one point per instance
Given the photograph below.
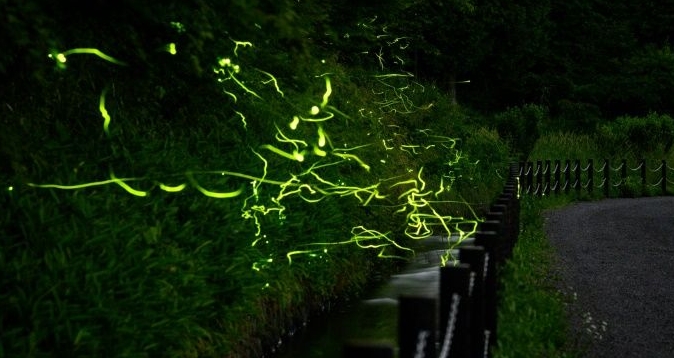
(153, 263)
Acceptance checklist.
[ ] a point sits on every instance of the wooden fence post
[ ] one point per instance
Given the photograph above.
(417, 327)
(539, 177)
(475, 257)
(456, 283)
(488, 240)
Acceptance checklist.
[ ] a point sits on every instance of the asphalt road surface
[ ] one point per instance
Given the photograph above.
(616, 256)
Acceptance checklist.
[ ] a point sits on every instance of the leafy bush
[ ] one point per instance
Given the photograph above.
(520, 125)
(637, 135)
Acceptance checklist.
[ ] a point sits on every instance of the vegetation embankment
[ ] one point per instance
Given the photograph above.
(191, 178)
(193, 182)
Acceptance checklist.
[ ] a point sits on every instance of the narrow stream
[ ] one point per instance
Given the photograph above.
(375, 317)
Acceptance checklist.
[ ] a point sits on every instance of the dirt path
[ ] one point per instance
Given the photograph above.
(617, 257)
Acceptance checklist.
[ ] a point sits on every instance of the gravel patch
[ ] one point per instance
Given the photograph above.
(616, 258)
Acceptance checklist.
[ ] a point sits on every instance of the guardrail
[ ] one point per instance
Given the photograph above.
(545, 177)
(462, 320)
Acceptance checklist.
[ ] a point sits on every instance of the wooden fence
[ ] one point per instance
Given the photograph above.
(545, 177)
(462, 320)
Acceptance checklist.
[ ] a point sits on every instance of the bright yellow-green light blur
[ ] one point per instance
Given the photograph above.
(172, 189)
(328, 92)
(178, 26)
(171, 48)
(242, 44)
(213, 194)
(104, 112)
(294, 123)
(271, 79)
(243, 119)
(82, 186)
(321, 137)
(125, 186)
(61, 57)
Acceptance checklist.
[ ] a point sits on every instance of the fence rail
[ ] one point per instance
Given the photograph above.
(462, 320)
(545, 177)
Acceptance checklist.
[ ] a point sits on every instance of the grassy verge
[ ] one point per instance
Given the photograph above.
(202, 201)
(532, 317)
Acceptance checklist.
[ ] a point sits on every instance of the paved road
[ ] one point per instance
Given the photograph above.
(617, 255)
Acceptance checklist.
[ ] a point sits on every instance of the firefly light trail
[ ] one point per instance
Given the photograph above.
(61, 58)
(413, 199)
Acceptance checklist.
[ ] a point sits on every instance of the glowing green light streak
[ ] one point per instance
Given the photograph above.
(238, 175)
(335, 110)
(212, 194)
(370, 191)
(361, 237)
(410, 181)
(328, 92)
(352, 148)
(294, 156)
(318, 177)
(284, 139)
(322, 119)
(354, 157)
(231, 75)
(442, 187)
(423, 183)
(82, 186)
(62, 57)
(172, 189)
(125, 186)
(231, 95)
(412, 147)
(104, 112)
(243, 119)
(408, 193)
(322, 137)
(271, 79)
(298, 252)
(242, 44)
(390, 75)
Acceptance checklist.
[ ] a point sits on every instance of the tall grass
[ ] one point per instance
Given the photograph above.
(532, 317)
(565, 145)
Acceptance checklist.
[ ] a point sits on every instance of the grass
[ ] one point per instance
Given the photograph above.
(532, 317)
